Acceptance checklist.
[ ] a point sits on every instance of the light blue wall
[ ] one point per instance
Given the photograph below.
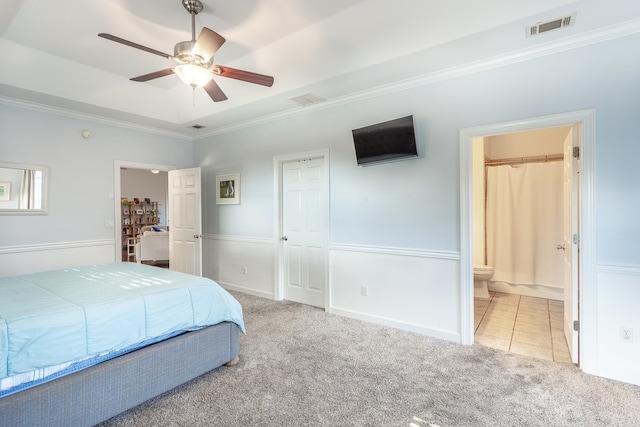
(368, 204)
(412, 204)
(81, 171)
(415, 204)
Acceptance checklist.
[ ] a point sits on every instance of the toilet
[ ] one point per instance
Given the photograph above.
(481, 276)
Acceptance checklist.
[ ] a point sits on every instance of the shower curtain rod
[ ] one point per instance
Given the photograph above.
(521, 160)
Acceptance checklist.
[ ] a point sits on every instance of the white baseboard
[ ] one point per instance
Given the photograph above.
(431, 332)
(246, 290)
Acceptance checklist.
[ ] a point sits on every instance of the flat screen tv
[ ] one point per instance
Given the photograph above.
(387, 141)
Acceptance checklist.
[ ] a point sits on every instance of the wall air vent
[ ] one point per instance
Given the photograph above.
(555, 24)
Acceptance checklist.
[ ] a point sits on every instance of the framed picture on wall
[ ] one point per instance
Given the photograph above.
(228, 189)
(5, 191)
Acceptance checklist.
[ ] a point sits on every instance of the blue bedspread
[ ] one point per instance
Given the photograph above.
(69, 315)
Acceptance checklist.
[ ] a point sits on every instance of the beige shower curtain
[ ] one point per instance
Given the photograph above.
(525, 223)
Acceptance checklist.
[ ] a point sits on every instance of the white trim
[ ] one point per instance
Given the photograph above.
(466, 238)
(42, 108)
(405, 326)
(618, 268)
(278, 251)
(117, 195)
(245, 290)
(588, 284)
(242, 239)
(419, 253)
(55, 246)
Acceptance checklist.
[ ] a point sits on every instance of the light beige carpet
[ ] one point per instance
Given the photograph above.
(303, 367)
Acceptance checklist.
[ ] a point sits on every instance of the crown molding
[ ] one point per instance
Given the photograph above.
(600, 35)
(42, 108)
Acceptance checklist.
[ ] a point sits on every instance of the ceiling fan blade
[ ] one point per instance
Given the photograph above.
(154, 75)
(207, 44)
(132, 44)
(214, 91)
(247, 76)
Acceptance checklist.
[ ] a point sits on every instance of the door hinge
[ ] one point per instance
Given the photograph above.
(576, 325)
(576, 152)
(576, 239)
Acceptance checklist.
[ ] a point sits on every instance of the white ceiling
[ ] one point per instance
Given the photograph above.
(331, 48)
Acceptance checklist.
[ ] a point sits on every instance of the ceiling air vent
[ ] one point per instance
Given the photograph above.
(308, 99)
(556, 24)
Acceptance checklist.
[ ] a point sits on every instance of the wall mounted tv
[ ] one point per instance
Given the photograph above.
(387, 141)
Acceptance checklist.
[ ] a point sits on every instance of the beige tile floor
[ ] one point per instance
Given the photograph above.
(520, 324)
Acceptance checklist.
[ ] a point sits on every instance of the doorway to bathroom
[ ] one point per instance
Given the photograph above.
(532, 312)
(519, 182)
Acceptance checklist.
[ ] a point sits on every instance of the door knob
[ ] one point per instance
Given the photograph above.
(197, 236)
(284, 238)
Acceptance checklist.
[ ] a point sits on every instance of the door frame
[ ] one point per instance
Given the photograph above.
(279, 267)
(117, 195)
(587, 311)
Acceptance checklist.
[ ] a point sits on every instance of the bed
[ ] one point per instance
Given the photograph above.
(81, 345)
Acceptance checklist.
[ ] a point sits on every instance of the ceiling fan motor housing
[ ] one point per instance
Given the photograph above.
(182, 52)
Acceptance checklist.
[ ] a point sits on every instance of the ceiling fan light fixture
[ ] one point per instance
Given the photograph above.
(195, 59)
(193, 75)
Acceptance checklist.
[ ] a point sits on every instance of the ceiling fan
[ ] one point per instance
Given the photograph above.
(195, 59)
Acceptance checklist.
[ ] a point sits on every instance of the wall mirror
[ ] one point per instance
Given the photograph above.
(23, 189)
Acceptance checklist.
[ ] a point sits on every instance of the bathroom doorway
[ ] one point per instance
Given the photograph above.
(566, 314)
(519, 224)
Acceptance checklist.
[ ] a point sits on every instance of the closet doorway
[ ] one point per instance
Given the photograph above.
(302, 186)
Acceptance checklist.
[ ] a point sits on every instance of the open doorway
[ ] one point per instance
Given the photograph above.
(141, 210)
(522, 251)
(582, 296)
(143, 196)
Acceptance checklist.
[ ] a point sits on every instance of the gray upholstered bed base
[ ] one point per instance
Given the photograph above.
(102, 391)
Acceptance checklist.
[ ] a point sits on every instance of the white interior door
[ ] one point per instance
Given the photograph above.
(304, 225)
(571, 248)
(185, 216)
